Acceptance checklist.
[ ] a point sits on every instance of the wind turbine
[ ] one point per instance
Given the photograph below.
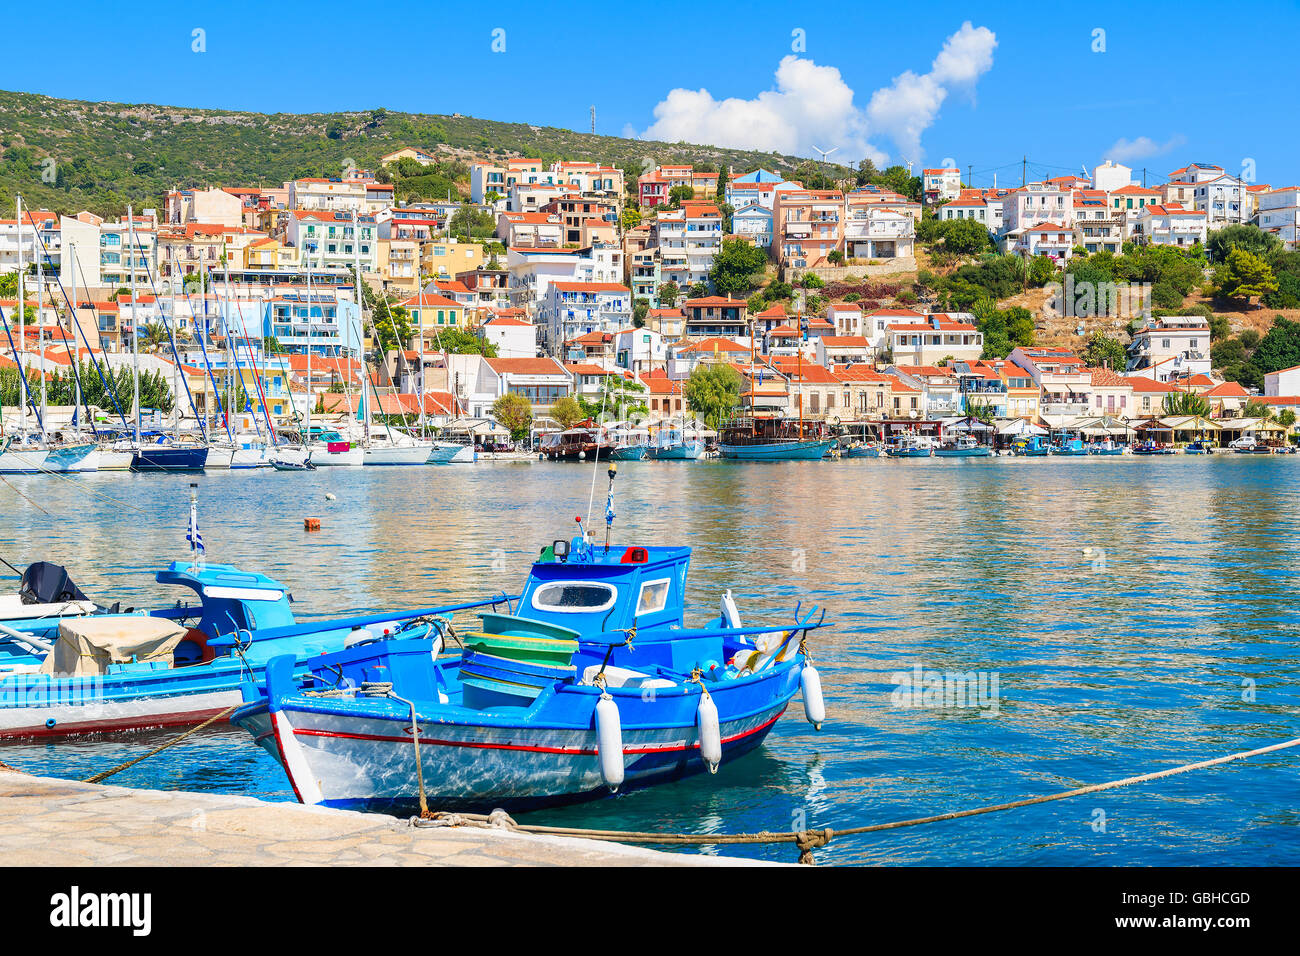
(824, 154)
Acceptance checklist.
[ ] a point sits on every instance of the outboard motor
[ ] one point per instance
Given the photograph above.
(46, 583)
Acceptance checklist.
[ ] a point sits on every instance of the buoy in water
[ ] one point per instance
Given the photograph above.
(609, 742)
(311, 524)
(814, 707)
(330, 496)
(706, 725)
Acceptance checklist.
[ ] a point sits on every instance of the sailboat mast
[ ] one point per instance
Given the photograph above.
(22, 333)
(419, 281)
(307, 430)
(135, 321)
(363, 405)
(40, 327)
(76, 351)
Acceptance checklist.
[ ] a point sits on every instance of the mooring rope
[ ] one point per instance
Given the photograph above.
(157, 750)
(809, 840)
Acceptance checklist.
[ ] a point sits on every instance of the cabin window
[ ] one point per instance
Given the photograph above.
(654, 597)
(574, 597)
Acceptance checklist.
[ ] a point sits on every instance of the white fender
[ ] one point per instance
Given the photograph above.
(814, 707)
(730, 613)
(706, 724)
(609, 742)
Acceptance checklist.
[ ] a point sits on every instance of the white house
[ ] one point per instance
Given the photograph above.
(1170, 225)
(940, 185)
(1109, 176)
(1283, 382)
(1279, 213)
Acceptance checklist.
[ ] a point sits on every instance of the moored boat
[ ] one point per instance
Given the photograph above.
(964, 446)
(771, 439)
(547, 704)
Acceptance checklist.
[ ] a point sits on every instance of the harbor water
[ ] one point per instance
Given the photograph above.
(1108, 617)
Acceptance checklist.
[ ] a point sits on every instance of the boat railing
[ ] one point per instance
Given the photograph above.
(244, 637)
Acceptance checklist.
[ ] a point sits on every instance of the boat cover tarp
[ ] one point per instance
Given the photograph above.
(46, 583)
(86, 646)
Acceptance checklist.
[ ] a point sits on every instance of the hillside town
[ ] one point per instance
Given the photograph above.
(834, 301)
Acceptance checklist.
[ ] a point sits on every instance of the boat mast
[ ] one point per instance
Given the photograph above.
(21, 351)
(306, 434)
(419, 319)
(40, 327)
(135, 322)
(363, 406)
(76, 351)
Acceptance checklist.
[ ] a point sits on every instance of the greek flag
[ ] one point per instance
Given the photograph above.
(194, 537)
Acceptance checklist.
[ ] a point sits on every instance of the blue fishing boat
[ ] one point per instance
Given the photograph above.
(771, 439)
(591, 684)
(862, 450)
(964, 446)
(911, 446)
(1032, 446)
(1070, 447)
(1152, 448)
(672, 445)
(1107, 447)
(1200, 446)
(71, 666)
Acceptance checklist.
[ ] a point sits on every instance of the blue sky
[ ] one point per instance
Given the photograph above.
(1023, 79)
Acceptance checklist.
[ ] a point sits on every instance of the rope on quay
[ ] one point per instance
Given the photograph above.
(809, 840)
(157, 750)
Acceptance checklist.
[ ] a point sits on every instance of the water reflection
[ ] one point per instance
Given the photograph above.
(1116, 660)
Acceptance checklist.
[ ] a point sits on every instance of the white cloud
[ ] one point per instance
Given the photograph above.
(1144, 147)
(813, 106)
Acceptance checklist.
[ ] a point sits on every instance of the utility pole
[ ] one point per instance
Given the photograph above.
(593, 119)
(1024, 166)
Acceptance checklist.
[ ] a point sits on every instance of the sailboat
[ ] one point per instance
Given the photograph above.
(40, 453)
(165, 453)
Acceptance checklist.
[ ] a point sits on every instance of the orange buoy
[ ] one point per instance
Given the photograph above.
(311, 524)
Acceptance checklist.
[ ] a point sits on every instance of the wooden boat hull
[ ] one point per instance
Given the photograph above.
(359, 754)
(863, 451)
(981, 452)
(809, 450)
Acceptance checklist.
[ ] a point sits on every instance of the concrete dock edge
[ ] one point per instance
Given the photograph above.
(46, 821)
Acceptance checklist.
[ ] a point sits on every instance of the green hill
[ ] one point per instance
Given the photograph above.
(68, 155)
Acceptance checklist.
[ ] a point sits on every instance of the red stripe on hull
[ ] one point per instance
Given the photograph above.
(152, 722)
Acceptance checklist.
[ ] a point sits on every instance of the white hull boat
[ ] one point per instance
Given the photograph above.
(415, 454)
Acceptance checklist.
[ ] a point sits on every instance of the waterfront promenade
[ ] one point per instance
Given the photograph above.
(49, 822)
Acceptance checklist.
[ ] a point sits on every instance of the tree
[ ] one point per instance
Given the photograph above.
(460, 341)
(1042, 270)
(712, 392)
(1243, 275)
(680, 194)
(631, 217)
(1256, 408)
(965, 237)
(567, 412)
(620, 397)
(734, 266)
(1277, 350)
(515, 413)
(698, 291)
(1186, 403)
(669, 292)
(1252, 239)
(469, 222)
(392, 326)
(1104, 351)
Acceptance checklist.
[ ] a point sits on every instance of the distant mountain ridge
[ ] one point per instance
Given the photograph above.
(67, 155)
